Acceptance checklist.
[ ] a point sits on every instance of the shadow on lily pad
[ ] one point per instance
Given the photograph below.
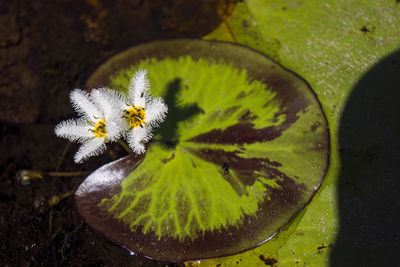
(176, 113)
(251, 147)
(369, 186)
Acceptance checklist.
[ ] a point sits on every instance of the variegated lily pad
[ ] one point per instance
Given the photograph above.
(244, 148)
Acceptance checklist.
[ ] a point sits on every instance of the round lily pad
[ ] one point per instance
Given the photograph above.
(244, 148)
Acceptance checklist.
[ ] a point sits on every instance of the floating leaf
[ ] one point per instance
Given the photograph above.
(244, 148)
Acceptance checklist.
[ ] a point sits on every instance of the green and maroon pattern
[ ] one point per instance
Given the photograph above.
(244, 148)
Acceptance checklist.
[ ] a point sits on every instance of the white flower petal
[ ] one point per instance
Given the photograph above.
(90, 148)
(138, 87)
(109, 101)
(116, 127)
(74, 130)
(136, 137)
(82, 104)
(156, 111)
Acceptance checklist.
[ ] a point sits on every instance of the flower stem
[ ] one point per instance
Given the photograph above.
(66, 174)
(24, 176)
(125, 146)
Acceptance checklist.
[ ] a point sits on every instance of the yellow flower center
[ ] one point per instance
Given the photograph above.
(135, 116)
(99, 128)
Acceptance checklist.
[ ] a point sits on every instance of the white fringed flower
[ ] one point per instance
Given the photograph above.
(142, 112)
(100, 122)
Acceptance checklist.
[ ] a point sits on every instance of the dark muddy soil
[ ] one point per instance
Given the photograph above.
(48, 48)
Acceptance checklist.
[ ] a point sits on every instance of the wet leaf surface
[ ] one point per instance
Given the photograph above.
(244, 149)
(325, 42)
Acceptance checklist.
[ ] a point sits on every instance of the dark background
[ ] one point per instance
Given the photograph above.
(48, 48)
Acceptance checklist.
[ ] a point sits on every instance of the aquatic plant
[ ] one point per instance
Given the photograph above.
(106, 115)
(244, 148)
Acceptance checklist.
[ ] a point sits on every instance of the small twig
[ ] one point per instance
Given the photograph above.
(24, 176)
(62, 156)
(51, 220)
(54, 200)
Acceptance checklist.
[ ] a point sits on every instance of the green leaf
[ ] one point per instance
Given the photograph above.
(332, 44)
(243, 150)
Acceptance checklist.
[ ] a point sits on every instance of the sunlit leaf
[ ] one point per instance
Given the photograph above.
(332, 44)
(244, 148)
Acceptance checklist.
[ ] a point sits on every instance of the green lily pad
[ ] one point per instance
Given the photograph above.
(244, 148)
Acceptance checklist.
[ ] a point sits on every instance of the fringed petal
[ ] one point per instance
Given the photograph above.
(156, 111)
(82, 104)
(73, 130)
(112, 103)
(136, 138)
(138, 88)
(116, 127)
(90, 148)
(109, 101)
